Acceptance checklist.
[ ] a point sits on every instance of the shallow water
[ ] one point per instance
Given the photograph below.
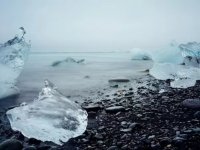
(71, 78)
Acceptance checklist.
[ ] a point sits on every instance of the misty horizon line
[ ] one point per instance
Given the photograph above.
(43, 52)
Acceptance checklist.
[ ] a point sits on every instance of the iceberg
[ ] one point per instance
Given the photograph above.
(191, 61)
(67, 60)
(190, 49)
(50, 117)
(138, 54)
(178, 64)
(168, 54)
(181, 76)
(191, 53)
(13, 55)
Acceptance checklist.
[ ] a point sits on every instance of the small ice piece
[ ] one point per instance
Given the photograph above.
(50, 117)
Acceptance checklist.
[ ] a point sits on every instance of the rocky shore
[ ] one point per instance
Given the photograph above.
(152, 117)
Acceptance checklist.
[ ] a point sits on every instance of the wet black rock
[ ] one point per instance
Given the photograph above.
(33, 141)
(44, 147)
(92, 107)
(115, 109)
(118, 80)
(164, 141)
(125, 147)
(191, 103)
(197, 114)
(113, 148)
(11, 144)
(144, 120)
(126, 130)
(134, 125)
(98, 136)
(114, 86)
(30, 148)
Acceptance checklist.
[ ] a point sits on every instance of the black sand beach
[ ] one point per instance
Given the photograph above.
(127, 119)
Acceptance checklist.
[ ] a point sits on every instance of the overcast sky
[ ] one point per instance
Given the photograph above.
(100, 25)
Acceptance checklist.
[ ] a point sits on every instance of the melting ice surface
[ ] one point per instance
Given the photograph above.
(191, 52)
(183, 76)
(13, 55)
(167, 64)
(51, 117)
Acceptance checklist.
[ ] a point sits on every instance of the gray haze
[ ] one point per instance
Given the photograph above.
(100, 25)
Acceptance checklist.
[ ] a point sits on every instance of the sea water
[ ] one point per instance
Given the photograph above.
(76, 81)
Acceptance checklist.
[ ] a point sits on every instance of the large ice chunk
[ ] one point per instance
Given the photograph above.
(191, 53)
(167, 65)
(168, 54)
(182, 76)
(51, 117)
(190, 49)
(13, 55)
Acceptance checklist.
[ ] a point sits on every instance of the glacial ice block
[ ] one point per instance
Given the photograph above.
(51, 117)
(13, 55)
(168, 64)
(190, 49)
(191, 53)
(138, 54)
(169, 54)
(182, 76)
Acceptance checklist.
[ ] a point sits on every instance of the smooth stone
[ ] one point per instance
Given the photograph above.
(197, 114)
(179, 139)
(45, 147)
(124, 147)
(34, 141)
(123, 123)
(164, 141)
(98, 136)
(92, 107)
(196, 130)
(114, 86)
(100, 142)
(126, 130)
(191, 103)
(115, 109)
(119, 80)
(11, 144)
(134, 125)
(138, 105)
(113, 148)
(151, 137)
(30, 148)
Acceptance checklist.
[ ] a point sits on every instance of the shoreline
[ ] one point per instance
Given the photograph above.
(127, 119)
